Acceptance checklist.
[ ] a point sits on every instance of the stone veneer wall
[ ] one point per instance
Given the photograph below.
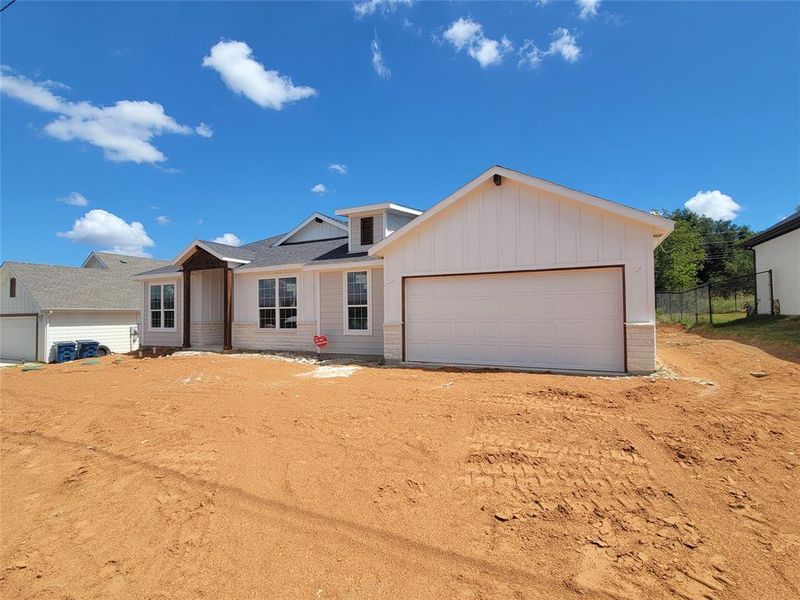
(392, 342)
(206, 333)
(640, 341)
(248, 336)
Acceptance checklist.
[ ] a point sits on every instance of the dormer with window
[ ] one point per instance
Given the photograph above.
(369, 224)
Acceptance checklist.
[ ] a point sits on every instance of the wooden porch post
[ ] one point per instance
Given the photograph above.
(227, 337)
(187, 308)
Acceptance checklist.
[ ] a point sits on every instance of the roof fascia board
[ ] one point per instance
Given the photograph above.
(270, 268)
(343, 266)
(316, 215)
(661, 223)
(379, 206)
(197, 243)
(146, 277)
(776, 231)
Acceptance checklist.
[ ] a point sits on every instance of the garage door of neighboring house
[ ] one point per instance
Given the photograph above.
(18, 338)
(560, 319)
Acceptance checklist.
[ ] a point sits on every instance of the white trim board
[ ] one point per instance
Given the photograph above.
(316, 215)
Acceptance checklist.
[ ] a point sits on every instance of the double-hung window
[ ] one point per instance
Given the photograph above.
(277, 303)
(357, 302)
(162, 306)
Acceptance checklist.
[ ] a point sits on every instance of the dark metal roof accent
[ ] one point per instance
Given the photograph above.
(780, 228)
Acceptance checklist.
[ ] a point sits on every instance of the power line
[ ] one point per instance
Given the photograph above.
(7, 5)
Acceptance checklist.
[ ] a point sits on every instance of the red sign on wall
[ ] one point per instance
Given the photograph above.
(321, 341)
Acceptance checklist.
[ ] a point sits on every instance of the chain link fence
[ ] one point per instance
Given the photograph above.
(720, 302)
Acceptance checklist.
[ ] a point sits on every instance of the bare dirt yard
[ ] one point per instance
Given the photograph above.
(228, 477)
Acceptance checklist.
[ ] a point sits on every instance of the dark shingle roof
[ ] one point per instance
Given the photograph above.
(780, 228)
(54, 287)
(262, 254)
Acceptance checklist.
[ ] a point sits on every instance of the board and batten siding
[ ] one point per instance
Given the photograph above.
(332, 309)
(518, 227)
(111, 328)
(378, 230)
(22, 303)
(395, 221)
(206, 300)
(159, 337)
(317, 231)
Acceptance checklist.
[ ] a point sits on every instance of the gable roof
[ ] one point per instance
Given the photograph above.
(76, 288)
(782, 227)
(121, 263)
(265, 255)
(330, 220)
(660, 223)
(238, 254)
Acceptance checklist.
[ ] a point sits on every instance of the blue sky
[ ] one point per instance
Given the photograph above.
(645, 103)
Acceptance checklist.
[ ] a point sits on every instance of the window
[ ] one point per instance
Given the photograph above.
(12, 290)
(277, 311)
(366, 231)
(162, 306)
(357, 302)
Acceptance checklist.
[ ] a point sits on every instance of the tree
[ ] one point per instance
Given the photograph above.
(679, 258)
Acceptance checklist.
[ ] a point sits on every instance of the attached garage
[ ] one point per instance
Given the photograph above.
(570, 319)
(18, 335)
(516, 271)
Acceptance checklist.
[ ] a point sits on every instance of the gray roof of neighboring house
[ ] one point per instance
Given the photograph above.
(54, 287)
(127, 265)
(263, 254)
(780, 228)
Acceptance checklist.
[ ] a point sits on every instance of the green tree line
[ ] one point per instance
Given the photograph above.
(701, 250)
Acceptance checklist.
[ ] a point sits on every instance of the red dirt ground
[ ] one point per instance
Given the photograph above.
(214, 476)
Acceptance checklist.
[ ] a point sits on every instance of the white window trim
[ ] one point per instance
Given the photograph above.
(278, 308)
(161, 284)
(346, 321)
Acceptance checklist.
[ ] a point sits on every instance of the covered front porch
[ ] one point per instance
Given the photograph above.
(207, 301)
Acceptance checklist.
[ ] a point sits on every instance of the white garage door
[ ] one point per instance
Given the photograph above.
(18, 338)
(554, 320)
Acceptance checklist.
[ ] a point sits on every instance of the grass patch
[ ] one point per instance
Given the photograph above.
(776, 330)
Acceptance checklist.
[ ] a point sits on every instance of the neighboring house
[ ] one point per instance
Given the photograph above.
(44, 304)
(778, 249)
(510, 270)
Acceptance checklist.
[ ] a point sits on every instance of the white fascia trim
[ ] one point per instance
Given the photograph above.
(131, 310)
(316, 215)
(380, 206)
(660, 223)
(200, 244)
(146, 277)
(270, 269)
(346, 266)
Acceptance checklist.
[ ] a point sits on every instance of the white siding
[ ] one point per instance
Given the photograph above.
(355, 229)
(782, 255)
(332, 315)
(518, 227)
(23, 302)
(207, 302)
(158, 337)
(111, 328)
(394, 221)
(317, 231)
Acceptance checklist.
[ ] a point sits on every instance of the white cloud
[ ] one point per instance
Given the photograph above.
(713, 204)
(339, 168)
(102, 228)
(204, 130)
(319, 189)
(588, 8)
(74, 199)
(229, 239)
(124, 131)
(563, 44)
(162, 219)
(377, 60)
(368, 7)
(468, 34)
(244, 75)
